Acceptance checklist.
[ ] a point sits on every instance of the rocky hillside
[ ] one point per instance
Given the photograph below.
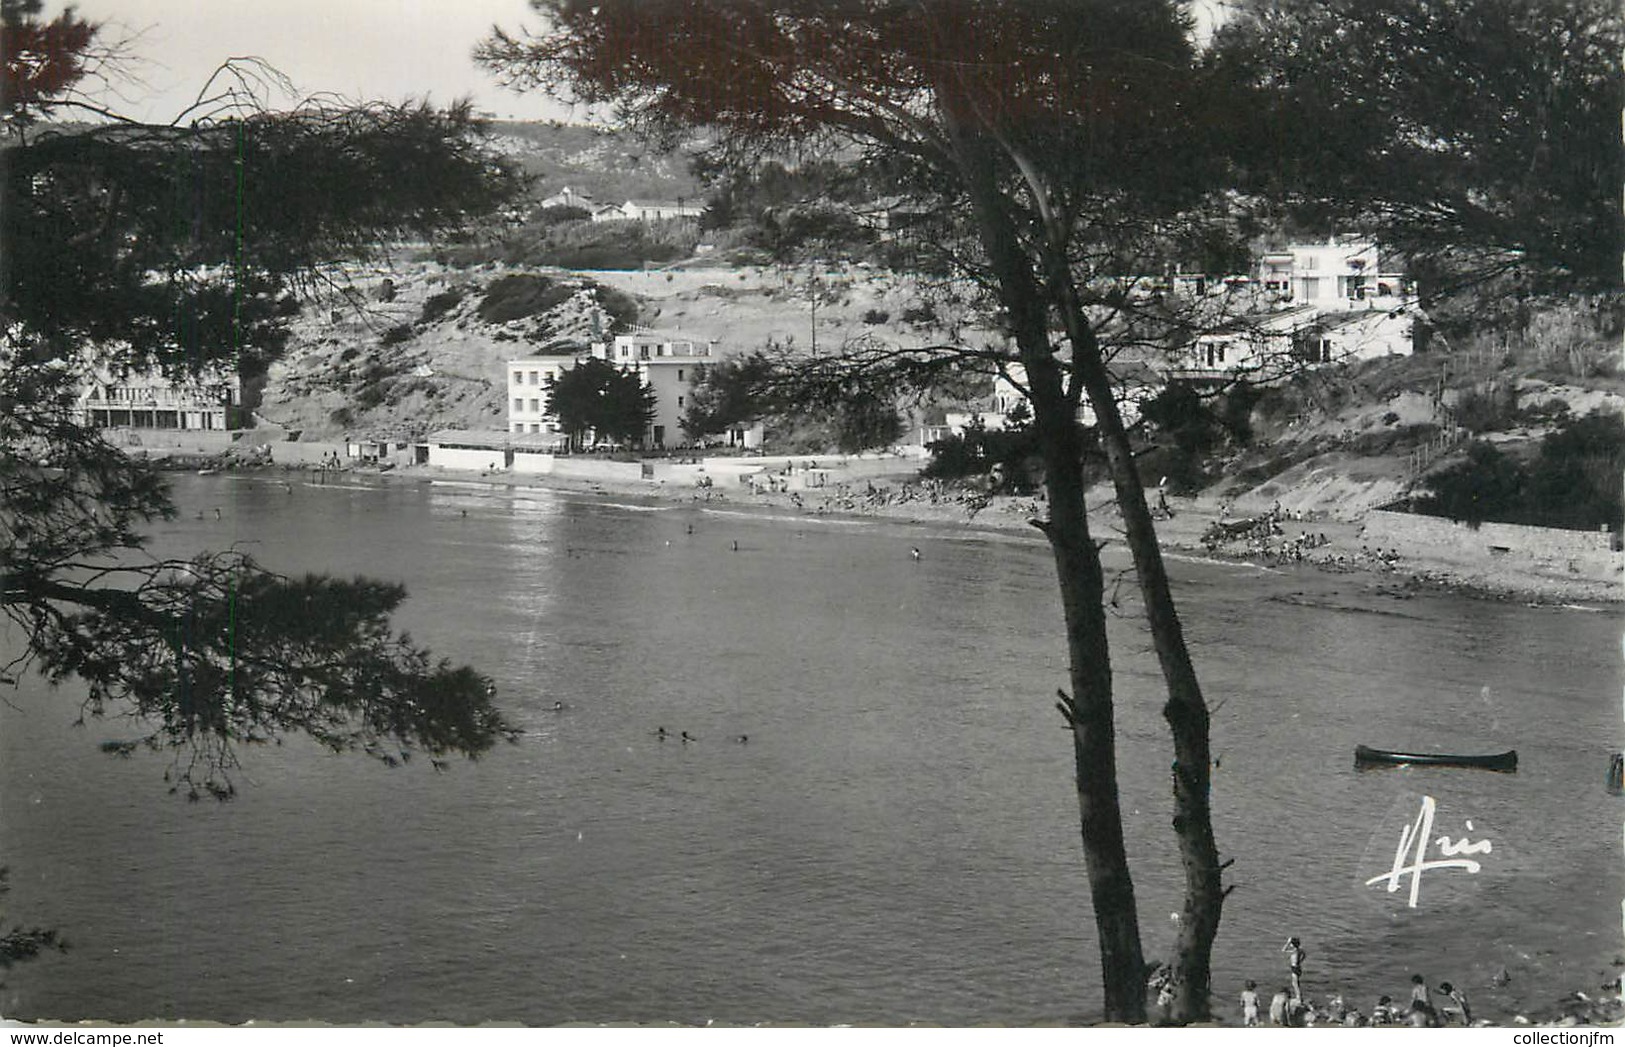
(608, 166)
(422, 347)
(414, 349)
(1341, 442)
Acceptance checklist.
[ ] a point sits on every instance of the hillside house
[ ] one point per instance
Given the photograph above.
(568, 197)
(1257, 347)
(1339, 274)
(1313, 304)
(1364, 335)
(648, 211)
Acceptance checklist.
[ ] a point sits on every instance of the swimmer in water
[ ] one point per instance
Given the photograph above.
(915, 552)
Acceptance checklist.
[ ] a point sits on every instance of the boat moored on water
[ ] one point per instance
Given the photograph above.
(1365, 756)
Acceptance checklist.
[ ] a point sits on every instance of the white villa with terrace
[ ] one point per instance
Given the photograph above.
(1320, 303)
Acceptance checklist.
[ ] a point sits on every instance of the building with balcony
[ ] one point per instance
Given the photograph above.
(212, 400)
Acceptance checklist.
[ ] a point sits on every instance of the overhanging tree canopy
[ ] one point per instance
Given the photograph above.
(173, 247)
(1471, 135)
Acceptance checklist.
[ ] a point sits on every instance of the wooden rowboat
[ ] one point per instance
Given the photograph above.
(1365, 756)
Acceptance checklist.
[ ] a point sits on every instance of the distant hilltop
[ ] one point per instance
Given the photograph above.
(596, 162)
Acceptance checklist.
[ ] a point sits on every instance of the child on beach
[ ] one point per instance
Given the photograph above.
(1422, 1012)
(1280, 1005)
(1383, 1012)
(1249, 1004)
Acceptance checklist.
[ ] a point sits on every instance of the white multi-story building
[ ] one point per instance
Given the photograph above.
(528, 409)
(667, 362)
(1340, 274)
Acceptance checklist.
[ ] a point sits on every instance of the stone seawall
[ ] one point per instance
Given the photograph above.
(1494, 548)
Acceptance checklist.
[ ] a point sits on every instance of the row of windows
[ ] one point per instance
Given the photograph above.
(536, 405)
(535, 377)
(661, 349)
(159, 394)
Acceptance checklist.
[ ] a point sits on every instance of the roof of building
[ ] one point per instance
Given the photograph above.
(494, 439)
(1332, 321)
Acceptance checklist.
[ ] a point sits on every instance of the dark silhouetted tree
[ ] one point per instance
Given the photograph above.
(727, 395)
(174, 248)
(598, 401)
(1048, 150)
(1473, 136)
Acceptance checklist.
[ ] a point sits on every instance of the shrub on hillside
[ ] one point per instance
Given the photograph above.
(1009, 455)
(438, 305)
(396, 335)
(1576, 481)
(1184, 470)
(876, 316)
(621, 307)
(371, 395)
(1488, 409)
(520, 295)
(560, 215)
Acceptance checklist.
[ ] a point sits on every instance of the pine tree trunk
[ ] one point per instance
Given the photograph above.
(1090, 712)
(1089, 708)
(1185, 709)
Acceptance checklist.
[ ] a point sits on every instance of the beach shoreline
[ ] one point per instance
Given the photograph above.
(1314, 541)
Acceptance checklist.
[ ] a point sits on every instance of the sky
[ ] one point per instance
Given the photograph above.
(362, 49)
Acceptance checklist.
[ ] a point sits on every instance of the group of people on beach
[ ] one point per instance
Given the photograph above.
(1289, 1006)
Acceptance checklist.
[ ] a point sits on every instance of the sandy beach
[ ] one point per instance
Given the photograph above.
(1309, 542)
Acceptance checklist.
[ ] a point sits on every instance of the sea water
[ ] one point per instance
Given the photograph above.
(895, 840)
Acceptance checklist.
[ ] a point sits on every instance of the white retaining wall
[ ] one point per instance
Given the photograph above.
(1585, 554)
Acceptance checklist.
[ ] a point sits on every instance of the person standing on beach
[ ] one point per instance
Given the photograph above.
(1422, 1011)
(1294, 960)
(1459, 998)
(1249, 1004)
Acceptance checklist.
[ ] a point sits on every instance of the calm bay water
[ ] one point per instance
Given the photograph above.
(897, 840)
